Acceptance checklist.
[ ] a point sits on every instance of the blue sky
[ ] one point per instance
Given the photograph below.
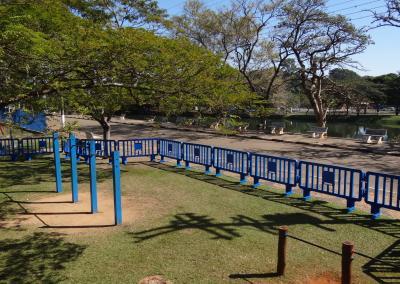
(380, 58)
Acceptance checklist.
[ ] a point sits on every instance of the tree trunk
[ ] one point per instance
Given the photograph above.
(321, 119)
(105, 125)
(106, 130)
(319, 111)
(397, 110)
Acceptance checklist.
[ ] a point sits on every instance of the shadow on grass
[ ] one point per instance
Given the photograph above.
(37, 258)
(384, 268)
(228, 230)
(249, 276)
(389, 227)
(41, 170)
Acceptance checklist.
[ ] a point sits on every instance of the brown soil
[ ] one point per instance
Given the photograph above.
(58, 213)
(157, 279)
(325, 278)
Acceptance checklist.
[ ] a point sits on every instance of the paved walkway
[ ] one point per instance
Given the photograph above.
(345, 152)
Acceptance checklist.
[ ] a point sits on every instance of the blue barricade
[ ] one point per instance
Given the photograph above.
(231, 161)
(333, 180)
(66, 147)
(104, 148)
(382, 190)
(146, 147)
(197, 154)
(36, 146)
(170, 149)
(9, 148)
(274, 169)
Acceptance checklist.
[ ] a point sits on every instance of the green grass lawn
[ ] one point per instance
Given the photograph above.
(197, 229)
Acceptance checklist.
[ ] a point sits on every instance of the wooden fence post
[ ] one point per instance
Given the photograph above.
(282, 250)
(347, 257)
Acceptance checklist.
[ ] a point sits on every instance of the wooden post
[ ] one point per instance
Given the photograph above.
(347, 257)
(282, 250)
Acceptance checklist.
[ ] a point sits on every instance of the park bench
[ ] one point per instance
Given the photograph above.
(91, 135)
(374, 135)
(321, 132)
(277, 128)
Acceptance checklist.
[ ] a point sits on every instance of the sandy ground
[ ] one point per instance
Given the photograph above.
(58, 213)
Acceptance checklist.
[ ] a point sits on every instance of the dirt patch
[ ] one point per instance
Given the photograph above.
(58, 213)
(157, 279)
(325, 278)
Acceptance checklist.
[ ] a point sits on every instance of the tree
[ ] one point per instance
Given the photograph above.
(98, 69)
(32, 37)
(119, 13)
(352, 90)
(389, 86)
(391, 17)
(319, 42)
(239, 34)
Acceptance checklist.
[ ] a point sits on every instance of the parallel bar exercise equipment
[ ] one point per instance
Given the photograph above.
(74, 168)
(93, 180)
(57, 162)
(117, 187)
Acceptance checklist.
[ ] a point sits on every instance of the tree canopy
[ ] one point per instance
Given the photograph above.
(47, 50)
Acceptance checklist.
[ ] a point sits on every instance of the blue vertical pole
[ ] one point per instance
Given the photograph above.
(57, 161)
(117, 188)
(93, 182)
(74, 168)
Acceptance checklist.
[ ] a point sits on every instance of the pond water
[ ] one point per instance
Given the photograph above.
(335, 129)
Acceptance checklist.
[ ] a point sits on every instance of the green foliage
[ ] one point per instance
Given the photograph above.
(68, 128)
(119, 13)
(54, 51)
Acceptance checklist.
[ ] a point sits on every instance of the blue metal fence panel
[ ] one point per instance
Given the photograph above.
(197, 154)
(104, 148)
(231, 160)
(140, 147)
(274, 169)
(66, 146)
(170, 149)
(9, 148)
(333, 180)
(382, 190)
(36, 146)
